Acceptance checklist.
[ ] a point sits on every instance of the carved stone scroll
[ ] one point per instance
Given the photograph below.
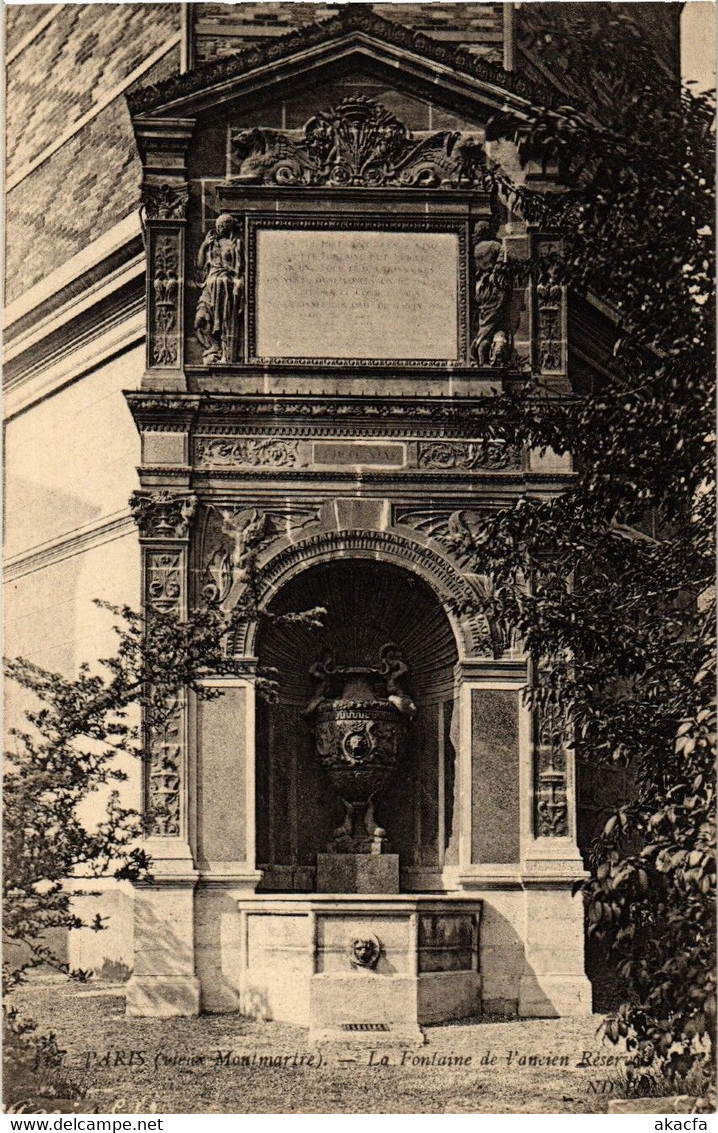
(468, 455)
(163, 579)
(359, 143)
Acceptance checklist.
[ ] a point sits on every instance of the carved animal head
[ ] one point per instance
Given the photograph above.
(365, 952)
(247, 142)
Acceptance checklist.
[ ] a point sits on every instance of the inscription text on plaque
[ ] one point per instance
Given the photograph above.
(357, 294)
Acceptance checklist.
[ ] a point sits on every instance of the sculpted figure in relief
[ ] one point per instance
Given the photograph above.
(218, 321)
(490, 346)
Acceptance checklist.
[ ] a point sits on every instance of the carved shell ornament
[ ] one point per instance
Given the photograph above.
(359, 143)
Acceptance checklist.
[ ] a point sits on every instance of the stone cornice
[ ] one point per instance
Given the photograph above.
(76, 542)
(216, 408)
(174, 93)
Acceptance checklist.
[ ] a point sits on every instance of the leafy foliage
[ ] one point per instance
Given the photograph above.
(68, 754)
(610, 584)
(33, 1064)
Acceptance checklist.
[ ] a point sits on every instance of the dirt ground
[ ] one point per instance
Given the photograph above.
(212, 1064)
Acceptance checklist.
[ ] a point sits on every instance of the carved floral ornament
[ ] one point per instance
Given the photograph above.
(161, 514)
(229, 451)
(164, 774)
(165, 301)
(359, 143)
(551, 802)
(164, 201)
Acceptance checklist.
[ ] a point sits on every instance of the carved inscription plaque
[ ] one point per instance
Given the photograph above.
(357, 294)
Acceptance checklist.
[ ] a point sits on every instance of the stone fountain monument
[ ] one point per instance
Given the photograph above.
(360, 717)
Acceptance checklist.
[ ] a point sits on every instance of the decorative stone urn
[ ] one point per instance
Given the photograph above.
(360, 738)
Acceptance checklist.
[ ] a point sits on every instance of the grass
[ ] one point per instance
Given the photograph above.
(175, 1069)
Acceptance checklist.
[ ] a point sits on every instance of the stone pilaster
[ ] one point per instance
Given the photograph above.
(164, 519)
(164, 981)
(494, 748)
(554, 982)
(165, 195)
(548, 313)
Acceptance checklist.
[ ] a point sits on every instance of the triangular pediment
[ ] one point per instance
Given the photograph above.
(355, 40)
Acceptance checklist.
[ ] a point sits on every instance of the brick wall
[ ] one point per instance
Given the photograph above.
(79, 192)
(20, 19)
(220, 29)
(85, 51)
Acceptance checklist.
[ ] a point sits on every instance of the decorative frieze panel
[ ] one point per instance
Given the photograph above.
(248, 452)
(550, 346)
(161, 514)
(551, 802)
(165, 321)
(164, 773)
(468, 455)
(358, 143)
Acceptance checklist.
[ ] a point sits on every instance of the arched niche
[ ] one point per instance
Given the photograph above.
(368, 603)
(453, 591)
